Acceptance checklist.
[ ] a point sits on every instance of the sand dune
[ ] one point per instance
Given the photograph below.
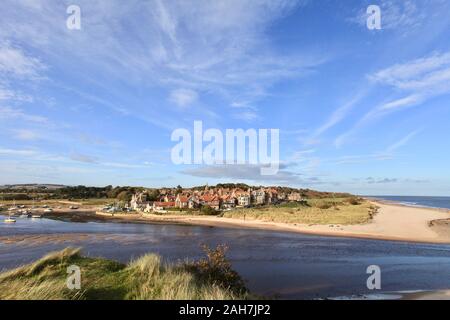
(392, 222)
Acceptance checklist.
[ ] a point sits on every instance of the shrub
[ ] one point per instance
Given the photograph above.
(216, 269)
(324, 205)
(208, 211)
(353, 201)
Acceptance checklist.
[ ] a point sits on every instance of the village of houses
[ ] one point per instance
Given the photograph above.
(217, 198)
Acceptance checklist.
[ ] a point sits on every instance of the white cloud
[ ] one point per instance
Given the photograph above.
(217, 47)
(8, 113)
(387, 154)
(14, 62)
(17, 152)
(8, 94)
(183, 97)
(402, 142)
(338, 115)
(416, 81)
(27, 135)
(247, 116)
(420, 74)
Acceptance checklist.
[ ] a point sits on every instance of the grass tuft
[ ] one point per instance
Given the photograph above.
(147, 278)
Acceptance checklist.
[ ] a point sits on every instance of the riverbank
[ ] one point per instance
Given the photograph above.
(391, 222)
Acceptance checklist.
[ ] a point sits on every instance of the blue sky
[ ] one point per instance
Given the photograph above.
(359, 110)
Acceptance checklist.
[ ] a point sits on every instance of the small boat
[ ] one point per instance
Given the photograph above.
(36, 216)
(10, 220)
(48, 210)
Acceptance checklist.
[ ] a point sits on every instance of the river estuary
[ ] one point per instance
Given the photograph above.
(284, 265)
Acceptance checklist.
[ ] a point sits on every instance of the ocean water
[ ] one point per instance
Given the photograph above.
(431, 202)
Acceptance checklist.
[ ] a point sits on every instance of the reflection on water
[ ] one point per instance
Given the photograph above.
(273, 263)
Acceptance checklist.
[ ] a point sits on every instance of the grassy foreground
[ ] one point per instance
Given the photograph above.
(344, 211)
(146, 278)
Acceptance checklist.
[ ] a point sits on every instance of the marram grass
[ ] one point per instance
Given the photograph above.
(147, 278)
(343, 211)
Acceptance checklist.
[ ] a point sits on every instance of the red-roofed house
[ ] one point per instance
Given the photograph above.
(182, 202)
(212, 201)
(163, 205)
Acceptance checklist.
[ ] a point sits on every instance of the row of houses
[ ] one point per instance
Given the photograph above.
(216, 198)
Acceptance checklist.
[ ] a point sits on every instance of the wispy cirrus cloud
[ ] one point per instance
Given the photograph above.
(212, 47)
(18, 67)
(417, 81)
(26, 135)
(340, 114)
(17, 152)
(14, 62)
(9, 113)
(387, 154)
(183, 97)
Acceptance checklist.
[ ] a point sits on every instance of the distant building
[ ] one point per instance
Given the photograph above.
(259, 197)
(295, 196)
(157, 206)
(229, 202)
(193, 202)
(212, 201)
(139, 201)
(182, 202)
(244, 199)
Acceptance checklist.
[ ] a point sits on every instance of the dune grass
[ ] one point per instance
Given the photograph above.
(147, 278)
(343, 211)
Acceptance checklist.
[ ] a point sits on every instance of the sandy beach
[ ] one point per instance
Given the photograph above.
(392, 222)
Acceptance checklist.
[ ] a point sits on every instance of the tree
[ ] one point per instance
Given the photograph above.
(124, 196)
(153, 195)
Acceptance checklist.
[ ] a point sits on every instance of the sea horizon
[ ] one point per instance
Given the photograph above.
(436, 202)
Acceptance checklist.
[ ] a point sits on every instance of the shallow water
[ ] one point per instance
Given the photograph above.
(289, 265)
